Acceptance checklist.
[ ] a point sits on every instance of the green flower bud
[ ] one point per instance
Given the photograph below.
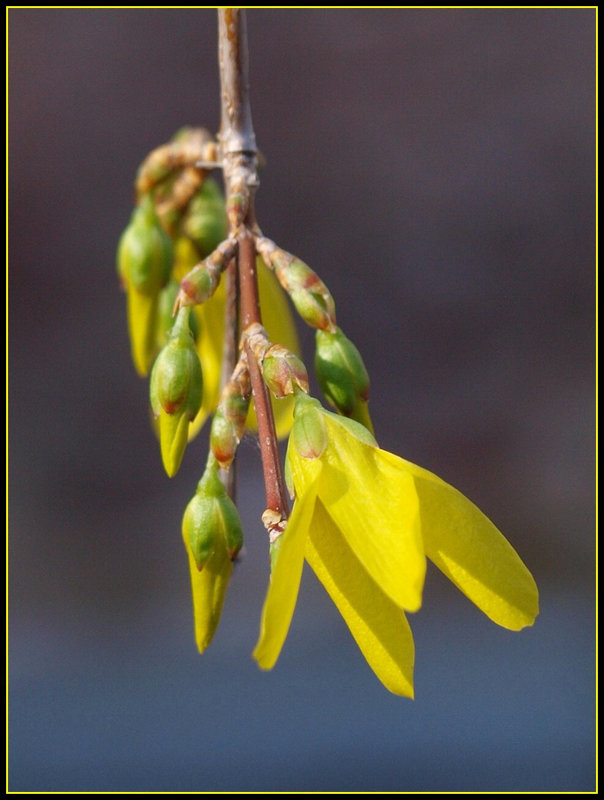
(175, 391)
(283, 371)
(308, 293)
(145, 251)
(199, 284)
(211, 519)
(308, 435)
(205, 221)
(342, 375)
(228, 424)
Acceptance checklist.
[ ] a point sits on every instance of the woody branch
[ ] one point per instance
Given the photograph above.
(239, 162)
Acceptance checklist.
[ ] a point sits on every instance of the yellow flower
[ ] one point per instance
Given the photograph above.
(277, 320)
(362, 518)
(356, 521)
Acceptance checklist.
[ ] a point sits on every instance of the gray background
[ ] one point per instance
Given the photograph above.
(436, 167)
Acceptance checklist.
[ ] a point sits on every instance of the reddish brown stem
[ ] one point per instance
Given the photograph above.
(238, 150)
(276, 497)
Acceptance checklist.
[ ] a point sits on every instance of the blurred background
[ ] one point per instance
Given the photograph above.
(436, 167)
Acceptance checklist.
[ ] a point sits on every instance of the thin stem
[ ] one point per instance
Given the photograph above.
(229, 359)
(238, 150)
(274, 484)
(236, 129)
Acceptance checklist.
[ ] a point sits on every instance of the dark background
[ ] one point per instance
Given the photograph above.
(436, 167)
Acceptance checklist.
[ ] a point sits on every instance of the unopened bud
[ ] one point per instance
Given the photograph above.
(205, 221)
(228, 424)
(342, 375)
(310, 296)
(283, 371)
(309, 435)
(202, 281)
(175, 391)
(186, 148)
(211, 520)
(145, 251)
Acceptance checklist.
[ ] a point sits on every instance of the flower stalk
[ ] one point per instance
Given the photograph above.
(239, 163)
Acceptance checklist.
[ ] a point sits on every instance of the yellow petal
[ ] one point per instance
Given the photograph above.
(374, 503)
(209, 588)
(142, 322)
(471, 552)
(173, 440)
(210, 319)
(378, 625)
(285, 579)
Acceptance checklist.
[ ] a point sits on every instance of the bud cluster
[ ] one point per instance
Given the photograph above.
(188, 147)
(176, 199)
(180, 229)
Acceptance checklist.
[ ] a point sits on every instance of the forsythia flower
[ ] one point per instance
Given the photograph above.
(362, 519)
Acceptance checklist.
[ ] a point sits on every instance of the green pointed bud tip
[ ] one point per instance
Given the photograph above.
(210, 484)
(180, 331)
(165, 320)
(309, 435)
(283, 371)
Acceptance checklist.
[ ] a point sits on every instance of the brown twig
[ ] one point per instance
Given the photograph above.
(239, 158)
